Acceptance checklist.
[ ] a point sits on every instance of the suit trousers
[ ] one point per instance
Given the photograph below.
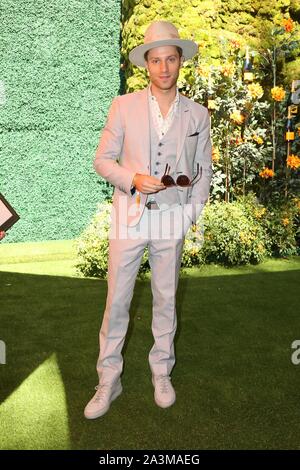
(163, 232)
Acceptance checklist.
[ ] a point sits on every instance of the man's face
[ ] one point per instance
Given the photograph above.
(163, 66)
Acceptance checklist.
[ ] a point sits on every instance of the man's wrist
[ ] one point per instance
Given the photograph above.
(132, 187)
(134, 180)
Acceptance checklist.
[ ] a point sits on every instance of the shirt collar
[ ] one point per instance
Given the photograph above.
(176, 99)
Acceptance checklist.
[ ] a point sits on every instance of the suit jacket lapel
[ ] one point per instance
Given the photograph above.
(144, 124)
(184, 117)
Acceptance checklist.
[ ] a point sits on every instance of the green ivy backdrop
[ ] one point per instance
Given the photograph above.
(59, 70)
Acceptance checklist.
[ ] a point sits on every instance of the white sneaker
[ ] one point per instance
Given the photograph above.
(102, 399)
(164, 394)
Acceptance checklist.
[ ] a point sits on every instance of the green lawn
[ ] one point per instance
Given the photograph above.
(236, 385)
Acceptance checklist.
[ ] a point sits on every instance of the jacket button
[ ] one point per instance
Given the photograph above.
(159, 153)
(156, 172)
(157, 163)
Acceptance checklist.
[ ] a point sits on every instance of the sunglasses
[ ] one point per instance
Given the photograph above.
(182, 180)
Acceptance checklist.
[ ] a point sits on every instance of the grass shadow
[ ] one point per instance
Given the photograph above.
(236, 385)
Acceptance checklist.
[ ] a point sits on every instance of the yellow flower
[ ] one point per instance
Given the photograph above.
(255, 90)
(260, 247)
(258, 213)
(211, 104)
(201, 44)
(228, 69)
(297, 202)
(285, 221)
(245, 238)
(266, 173)
(215, 154)
(237, 117)
(293, 162)
(257, 139)
(278, 93)
(288, 25)
(203, 70)
(235, 44)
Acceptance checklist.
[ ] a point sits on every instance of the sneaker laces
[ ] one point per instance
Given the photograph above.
(101, 391)
(164, 383)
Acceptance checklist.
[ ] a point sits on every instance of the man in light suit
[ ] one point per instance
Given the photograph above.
(156, 150)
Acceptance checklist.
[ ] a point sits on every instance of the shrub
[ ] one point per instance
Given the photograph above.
(92, 246)
(234, 233)
(281, 223)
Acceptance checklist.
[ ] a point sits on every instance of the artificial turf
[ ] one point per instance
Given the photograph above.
(236, 385)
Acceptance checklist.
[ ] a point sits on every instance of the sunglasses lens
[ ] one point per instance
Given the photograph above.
(183, 180)
(167, 180)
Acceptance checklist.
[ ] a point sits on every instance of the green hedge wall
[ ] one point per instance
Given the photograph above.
(59, 70)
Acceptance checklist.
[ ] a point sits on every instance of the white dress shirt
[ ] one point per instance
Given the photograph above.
(162, 124)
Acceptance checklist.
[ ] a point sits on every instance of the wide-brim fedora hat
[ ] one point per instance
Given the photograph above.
(162, 33)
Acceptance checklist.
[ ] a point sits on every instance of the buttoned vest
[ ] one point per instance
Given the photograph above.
(163, 151)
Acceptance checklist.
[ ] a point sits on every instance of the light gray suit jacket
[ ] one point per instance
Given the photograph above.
(124, 149)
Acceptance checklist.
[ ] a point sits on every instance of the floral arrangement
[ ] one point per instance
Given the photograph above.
(248, 117)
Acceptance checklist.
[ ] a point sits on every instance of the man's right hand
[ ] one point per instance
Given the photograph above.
(147, 184)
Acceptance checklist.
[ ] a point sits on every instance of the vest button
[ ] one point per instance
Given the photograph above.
(160, 144)
(157, 163)
(156, 172)
(159, 153)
